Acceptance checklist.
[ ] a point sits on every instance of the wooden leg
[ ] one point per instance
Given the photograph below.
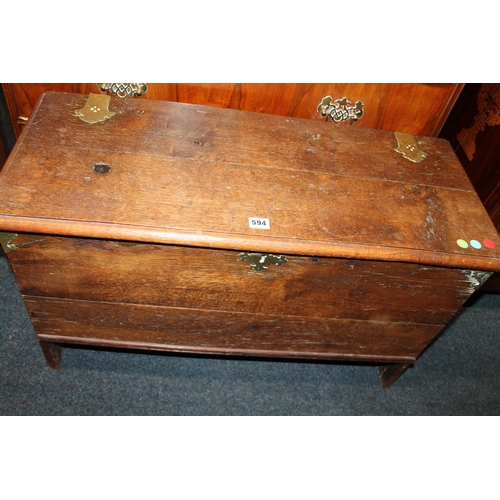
(388, 374)
(52, 353)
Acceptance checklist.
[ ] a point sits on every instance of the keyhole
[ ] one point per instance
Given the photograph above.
(102, 168)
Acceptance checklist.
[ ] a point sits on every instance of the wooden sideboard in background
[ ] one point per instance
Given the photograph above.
(473, 129)
(3, 152)
(418, 109)
(7, 137)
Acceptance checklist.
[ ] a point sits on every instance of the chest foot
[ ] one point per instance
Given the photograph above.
(388, 374)
(52, 353)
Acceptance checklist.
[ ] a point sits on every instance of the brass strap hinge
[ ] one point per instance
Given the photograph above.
(96, 109)
(408, 147)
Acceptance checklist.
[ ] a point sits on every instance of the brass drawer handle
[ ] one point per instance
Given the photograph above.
(340, 110)
(124, 89)
(22, 120)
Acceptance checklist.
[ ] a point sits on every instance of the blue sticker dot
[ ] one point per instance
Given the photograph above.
(475, 244)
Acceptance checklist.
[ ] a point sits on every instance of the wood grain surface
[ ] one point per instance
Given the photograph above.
(193, 175)
(204, 279)
(220, 332)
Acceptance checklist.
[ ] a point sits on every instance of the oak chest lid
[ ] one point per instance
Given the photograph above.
(175, 173)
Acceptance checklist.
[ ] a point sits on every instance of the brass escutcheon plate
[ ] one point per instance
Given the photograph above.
(261, 261)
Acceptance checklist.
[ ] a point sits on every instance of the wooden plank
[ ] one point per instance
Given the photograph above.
(184, 277)
(197, 331)
(209, 205)
(165, 129)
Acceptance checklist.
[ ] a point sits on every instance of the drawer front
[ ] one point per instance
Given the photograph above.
(211, 299)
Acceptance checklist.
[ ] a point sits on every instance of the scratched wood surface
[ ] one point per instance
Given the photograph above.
(193, 175)
(219, 332)
(416, 108)
(195, 278)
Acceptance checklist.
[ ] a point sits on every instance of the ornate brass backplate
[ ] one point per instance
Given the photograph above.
(124, 89)
(340, 110)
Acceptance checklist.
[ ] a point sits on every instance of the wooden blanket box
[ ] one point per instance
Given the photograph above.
(186, 228)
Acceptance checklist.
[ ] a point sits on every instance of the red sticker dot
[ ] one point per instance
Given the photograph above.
(489, 243)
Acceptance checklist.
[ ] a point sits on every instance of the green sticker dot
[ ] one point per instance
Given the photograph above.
(462, 243)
